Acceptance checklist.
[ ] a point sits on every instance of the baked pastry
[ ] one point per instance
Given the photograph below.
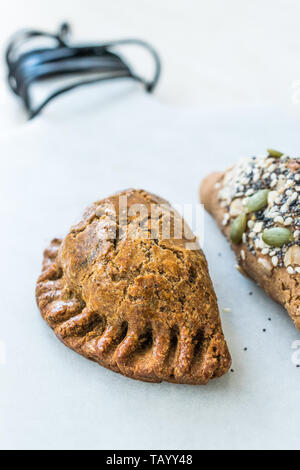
(137, 304)
(256, 204)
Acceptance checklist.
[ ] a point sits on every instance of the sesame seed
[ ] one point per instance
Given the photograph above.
(279, 219)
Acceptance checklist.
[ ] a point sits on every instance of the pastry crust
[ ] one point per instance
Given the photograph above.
(277, 282)
(139, 306)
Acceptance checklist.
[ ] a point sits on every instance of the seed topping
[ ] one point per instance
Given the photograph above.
(261, 197)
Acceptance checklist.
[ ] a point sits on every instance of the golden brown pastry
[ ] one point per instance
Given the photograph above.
(256, 204)
(137, 304)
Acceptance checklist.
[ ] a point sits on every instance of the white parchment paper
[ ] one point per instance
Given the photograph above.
(88, 145)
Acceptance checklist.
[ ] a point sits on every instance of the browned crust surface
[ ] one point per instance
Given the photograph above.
(145, 308)
(278, 284)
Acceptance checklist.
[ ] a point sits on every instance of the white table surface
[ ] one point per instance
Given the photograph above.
(98, 140)
(51, 169)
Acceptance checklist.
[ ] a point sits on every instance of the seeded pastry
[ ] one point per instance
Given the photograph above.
(257, 206)
(121, 292)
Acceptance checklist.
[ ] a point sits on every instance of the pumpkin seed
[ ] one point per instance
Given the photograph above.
(258, 201)
(238, 227)
(274, 153)
(277, 236)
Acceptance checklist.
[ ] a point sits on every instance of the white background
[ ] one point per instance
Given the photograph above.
(214, 52)
(234, 63)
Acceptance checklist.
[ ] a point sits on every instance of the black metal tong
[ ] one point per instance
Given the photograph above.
(89, 63)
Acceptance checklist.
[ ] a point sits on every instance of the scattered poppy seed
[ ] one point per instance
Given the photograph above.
(231, 370)
(297, 365)
(264, 330)
(250, 293)
(269, 319)
(245, 349)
